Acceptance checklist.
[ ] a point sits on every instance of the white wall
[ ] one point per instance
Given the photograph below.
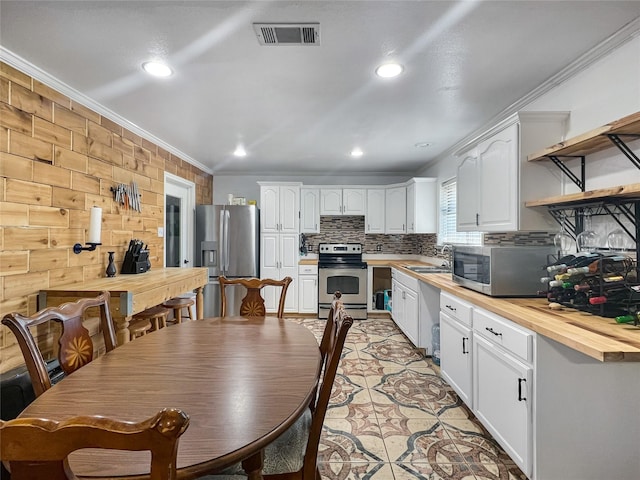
(247, 186)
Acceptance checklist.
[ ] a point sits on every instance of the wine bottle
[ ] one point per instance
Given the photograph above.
(609, 264)
(622, 296)
(630, 318)
(580, 259)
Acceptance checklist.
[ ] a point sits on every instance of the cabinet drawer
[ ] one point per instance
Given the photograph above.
(500, 331)
(307, 269)
(456, 308)
(407, 280)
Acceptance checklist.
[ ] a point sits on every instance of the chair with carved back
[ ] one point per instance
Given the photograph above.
(294, 454)
(253, 304)
(37, 449)
(75, 344)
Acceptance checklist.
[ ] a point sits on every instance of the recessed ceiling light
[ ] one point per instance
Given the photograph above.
(240, 151)
(157, 69)
(389, 70)
(422, 145)
(357, 152)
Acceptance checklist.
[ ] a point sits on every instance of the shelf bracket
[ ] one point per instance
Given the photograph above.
(580, 182)
(624, 148)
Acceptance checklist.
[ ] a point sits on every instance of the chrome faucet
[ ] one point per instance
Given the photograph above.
(447, 250)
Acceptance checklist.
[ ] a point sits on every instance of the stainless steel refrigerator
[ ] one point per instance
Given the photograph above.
(227, 242)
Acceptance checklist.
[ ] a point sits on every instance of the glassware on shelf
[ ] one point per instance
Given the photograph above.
(562, 240)
(587, 240)
(617, 240)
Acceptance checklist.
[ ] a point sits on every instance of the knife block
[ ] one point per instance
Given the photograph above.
(138, 263)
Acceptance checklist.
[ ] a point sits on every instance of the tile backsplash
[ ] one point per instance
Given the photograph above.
(350, 229)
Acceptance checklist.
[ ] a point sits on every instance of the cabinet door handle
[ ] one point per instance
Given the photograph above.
(520, 397)
(450, 308)
(477, 219)
(464, 345)
(491, 330)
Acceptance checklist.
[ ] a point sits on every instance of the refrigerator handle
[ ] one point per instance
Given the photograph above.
(223, 247)
(226, 240)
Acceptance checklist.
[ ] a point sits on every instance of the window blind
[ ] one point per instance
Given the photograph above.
(447, 226)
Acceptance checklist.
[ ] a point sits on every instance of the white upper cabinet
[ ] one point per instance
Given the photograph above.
(279, 208)
(396, 210)
(331, 201)
(354, 201)
(494, 178)
(339, 201)
(422, 205)
(374, 218)
(309, 210)
(498, 172)
(467, 193)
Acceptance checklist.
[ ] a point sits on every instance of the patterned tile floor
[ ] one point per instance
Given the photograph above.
(392, 417)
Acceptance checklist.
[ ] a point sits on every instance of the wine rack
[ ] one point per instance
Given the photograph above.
(605, 285)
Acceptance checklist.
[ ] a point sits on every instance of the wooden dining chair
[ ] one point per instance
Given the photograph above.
(253, 304)
(75, 344)
(293, 455)
(37, 449)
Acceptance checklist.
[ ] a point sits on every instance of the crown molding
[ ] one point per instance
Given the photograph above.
(10, 58)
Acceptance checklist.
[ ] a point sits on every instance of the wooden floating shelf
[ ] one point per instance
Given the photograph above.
(622, 191)
(590, 142)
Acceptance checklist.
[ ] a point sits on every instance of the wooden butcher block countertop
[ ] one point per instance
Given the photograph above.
(598, 337)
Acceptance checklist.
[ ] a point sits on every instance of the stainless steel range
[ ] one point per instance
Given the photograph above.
(340, 268)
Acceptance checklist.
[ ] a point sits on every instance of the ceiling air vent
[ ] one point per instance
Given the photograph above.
(287, 33)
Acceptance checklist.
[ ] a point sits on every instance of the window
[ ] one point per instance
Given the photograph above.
(447, 227)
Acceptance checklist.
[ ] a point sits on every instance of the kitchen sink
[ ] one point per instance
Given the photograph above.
(427, 269)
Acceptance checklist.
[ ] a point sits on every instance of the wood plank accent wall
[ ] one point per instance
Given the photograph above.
(58, 159)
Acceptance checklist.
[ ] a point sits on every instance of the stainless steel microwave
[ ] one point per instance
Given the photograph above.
(501, 271)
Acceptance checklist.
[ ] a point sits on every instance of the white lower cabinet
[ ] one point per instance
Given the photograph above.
(308, 289)
(488, 361)
(405, 311)
(455, 345)
(455, 356)
(558, 413)
(502, 399)
(278, 259)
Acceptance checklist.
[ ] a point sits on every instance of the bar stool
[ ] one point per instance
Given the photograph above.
(177, 304)
(156, 315)
(138, 328)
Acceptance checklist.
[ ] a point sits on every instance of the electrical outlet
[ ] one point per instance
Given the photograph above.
(160, 232)
(378, 248)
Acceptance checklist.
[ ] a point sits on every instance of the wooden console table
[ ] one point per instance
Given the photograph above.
(131, 294)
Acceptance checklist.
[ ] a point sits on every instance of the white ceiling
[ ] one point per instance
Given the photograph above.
(301, 109)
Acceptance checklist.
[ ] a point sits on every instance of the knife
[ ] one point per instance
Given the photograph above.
(136, 196)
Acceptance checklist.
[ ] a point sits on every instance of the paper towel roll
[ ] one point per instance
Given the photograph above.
(95, 225)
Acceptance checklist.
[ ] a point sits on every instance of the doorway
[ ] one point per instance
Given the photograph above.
(179, 206)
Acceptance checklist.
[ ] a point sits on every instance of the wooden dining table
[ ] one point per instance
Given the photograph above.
(242, 381)
(131, 294)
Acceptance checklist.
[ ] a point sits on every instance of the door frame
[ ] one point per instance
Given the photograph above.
(186, 191)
